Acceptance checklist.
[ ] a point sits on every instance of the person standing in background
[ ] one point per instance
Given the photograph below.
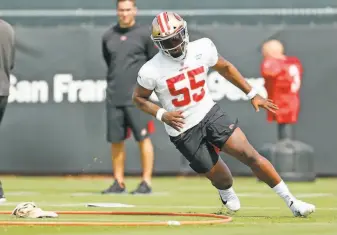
(7, 57)
(126, 46)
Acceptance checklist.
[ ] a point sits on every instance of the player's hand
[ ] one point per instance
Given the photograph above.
(258, 101)
(174, 119)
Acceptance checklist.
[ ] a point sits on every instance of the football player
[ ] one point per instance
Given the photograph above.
(194, 122)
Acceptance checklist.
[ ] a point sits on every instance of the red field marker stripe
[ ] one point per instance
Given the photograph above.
(220, 219)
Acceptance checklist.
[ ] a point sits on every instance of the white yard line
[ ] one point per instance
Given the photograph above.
(21, 193)
(266, 194)
(80, 194)
(55, 204)
(85, 194)
(159, 194)
(52, 204)
(109, 205)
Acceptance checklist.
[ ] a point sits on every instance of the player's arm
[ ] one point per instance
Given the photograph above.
(13, 53)
(224, 67)
(13, 58)
(105, 53)
(232, 74)
(141, 98)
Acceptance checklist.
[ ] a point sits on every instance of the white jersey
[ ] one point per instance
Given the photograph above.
(182, 86)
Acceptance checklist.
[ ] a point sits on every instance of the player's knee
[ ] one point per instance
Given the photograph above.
(117, 147)
(145, 141)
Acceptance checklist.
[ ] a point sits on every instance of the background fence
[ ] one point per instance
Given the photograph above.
(55, 123)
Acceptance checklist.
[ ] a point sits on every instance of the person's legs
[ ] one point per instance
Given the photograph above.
(147, 159)
(204, 159)
(2, 194)
(224, 133)
(116, 135)
(218, 173)
(3, 105)
(139, 124)
(222, 179)
(118, 161)
(207, 161)
(238, 146)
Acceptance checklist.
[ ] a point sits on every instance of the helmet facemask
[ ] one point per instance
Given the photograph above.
(174, 45)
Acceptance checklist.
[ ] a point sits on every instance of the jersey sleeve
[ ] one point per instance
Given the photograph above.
(145, 78)
(211, 51)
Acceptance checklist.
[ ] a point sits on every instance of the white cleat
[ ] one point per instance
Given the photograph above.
(301, 209)
(233, 205)
(231, 201)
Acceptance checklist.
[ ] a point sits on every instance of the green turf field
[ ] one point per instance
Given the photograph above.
(262, 211)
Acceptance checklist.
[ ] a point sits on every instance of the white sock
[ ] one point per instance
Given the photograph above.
(282, 190)
(227, 194)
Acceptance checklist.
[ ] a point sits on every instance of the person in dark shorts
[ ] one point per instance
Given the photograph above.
(194, 122)
(126, 46)
(201, 144)
(7, 57)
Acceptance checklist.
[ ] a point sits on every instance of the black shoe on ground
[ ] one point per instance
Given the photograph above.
(115, 188)
(143, 188)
